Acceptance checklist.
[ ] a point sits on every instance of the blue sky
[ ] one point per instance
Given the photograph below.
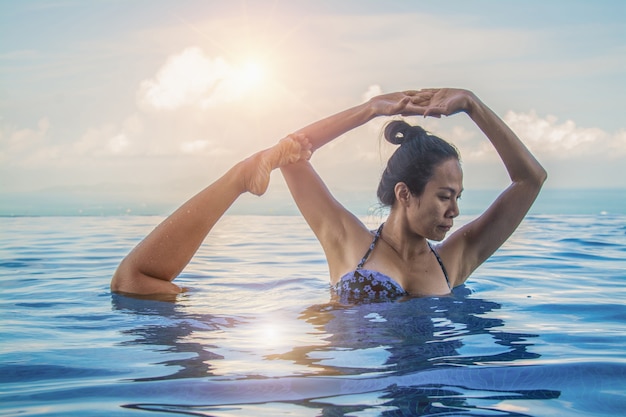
(148, 101)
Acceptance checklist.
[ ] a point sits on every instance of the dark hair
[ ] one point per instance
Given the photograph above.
(414, 161)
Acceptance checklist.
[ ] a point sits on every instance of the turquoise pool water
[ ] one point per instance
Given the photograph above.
(538, 330)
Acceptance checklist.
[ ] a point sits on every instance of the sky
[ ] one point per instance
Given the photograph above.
(131, 104)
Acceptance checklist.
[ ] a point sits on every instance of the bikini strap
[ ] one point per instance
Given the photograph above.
(443, 268)
(371, 248)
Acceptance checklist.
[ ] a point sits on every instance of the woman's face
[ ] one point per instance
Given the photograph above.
(434, 211)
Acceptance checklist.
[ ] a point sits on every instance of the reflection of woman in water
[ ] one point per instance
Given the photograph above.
(421, 183)
(406, 337)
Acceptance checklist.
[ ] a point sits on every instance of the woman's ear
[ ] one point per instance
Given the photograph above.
(403, 194)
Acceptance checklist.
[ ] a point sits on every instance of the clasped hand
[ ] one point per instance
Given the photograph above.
(434, 102)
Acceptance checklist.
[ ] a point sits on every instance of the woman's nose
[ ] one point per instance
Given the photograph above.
(453, 211)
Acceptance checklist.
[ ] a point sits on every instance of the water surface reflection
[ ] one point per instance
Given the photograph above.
(383, 354)
(408, 335)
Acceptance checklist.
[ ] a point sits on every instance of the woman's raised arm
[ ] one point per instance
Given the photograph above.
(152, 265)
(325, 130)
(470, 246)
(340, 233)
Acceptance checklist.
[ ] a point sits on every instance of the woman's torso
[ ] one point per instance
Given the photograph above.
(426, 278)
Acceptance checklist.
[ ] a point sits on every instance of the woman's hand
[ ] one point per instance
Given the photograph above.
(428, 102)
(391, 104)
(435, 102)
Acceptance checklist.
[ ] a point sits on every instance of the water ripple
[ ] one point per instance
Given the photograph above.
(537, 330)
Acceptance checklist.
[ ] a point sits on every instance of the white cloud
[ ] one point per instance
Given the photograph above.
(93, 141)
(118, 143)
(130, 132)
(186, 78)
(194, 146)
(372, 91)
(560, 140)
(26, 145)
(191, 78)
(21, 138)
(109, 139)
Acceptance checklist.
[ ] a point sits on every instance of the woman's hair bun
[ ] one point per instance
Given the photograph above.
(399, 131)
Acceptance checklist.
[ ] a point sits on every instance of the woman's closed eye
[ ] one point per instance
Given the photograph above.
(449, 197)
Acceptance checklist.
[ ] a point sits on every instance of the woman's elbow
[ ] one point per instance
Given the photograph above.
(536, 175)
(118, 280)
(533, 180)
(129, 280)
(125, 278)
(541, 176)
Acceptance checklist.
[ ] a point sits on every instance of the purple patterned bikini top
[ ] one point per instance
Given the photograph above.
(369, 284)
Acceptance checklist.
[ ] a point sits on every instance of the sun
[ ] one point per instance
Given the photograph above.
(252, 72)
(241, 79)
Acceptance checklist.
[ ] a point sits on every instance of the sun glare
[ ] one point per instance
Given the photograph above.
(253, 71)
(250, 74)
(270, 336)
(192, 77)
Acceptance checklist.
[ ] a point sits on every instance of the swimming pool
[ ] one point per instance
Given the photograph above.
(538, 330)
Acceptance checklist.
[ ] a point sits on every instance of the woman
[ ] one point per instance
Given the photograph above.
(152, 265)
(421, 183)
(421, 186)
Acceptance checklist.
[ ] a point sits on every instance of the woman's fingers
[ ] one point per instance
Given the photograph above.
(429, 102)
(433, 112)
(304, 144)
